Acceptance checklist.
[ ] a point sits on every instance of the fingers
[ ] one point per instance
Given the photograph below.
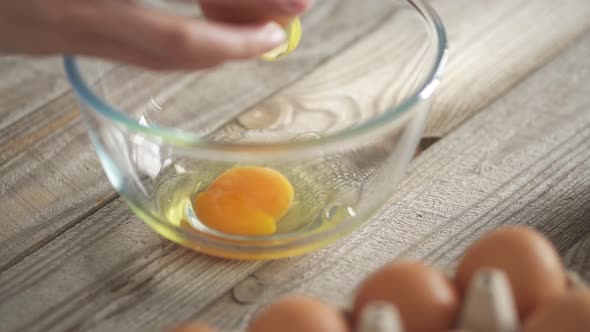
(112, 50)
(243, 11)
(50, 42)
(191, 42)
(125, 31)
(124, 52)
(222, 42)
(180, 42)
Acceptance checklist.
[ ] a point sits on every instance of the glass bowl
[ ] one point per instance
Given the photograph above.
(340, 118)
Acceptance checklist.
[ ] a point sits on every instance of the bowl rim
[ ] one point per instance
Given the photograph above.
(245, 247)
(194, 141)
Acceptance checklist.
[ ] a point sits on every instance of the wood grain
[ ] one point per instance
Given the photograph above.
(52, 135)
(577, 257)
(110, 272)
(48, 170)
(483, 37)
(509, 41)
(101, 269)
(27, 85)
(524, 160)
(113, 272)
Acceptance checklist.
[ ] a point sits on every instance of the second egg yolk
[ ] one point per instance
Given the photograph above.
(245, 201)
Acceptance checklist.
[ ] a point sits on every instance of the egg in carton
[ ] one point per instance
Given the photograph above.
(488, 306)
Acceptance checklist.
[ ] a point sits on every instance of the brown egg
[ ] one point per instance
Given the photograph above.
(532, 265)
(568, 313)
(192, 327)
(297, 313)
(425, 298)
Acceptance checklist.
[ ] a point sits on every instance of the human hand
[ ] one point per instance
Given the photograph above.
(124, 30)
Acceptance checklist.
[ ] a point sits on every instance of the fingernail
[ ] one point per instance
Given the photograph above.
(273, 33)
(295, 6)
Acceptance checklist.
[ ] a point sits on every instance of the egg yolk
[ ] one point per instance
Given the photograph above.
(245, 201)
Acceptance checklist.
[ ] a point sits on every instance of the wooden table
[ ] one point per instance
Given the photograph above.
(513, 118)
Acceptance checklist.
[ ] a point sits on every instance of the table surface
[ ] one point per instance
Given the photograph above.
(511, 134)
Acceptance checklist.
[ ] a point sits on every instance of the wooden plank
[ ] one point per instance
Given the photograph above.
(117, 272)
(63, 285)
(577, 257)
(27, 85)
(482, 38)
(507, 51)
(210, 106)
(28, 151)
(50, 174)
(524, 160)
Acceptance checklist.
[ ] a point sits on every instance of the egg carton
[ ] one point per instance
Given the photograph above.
(488, 307)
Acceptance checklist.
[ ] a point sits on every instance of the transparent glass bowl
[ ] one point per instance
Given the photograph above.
(340, 118)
